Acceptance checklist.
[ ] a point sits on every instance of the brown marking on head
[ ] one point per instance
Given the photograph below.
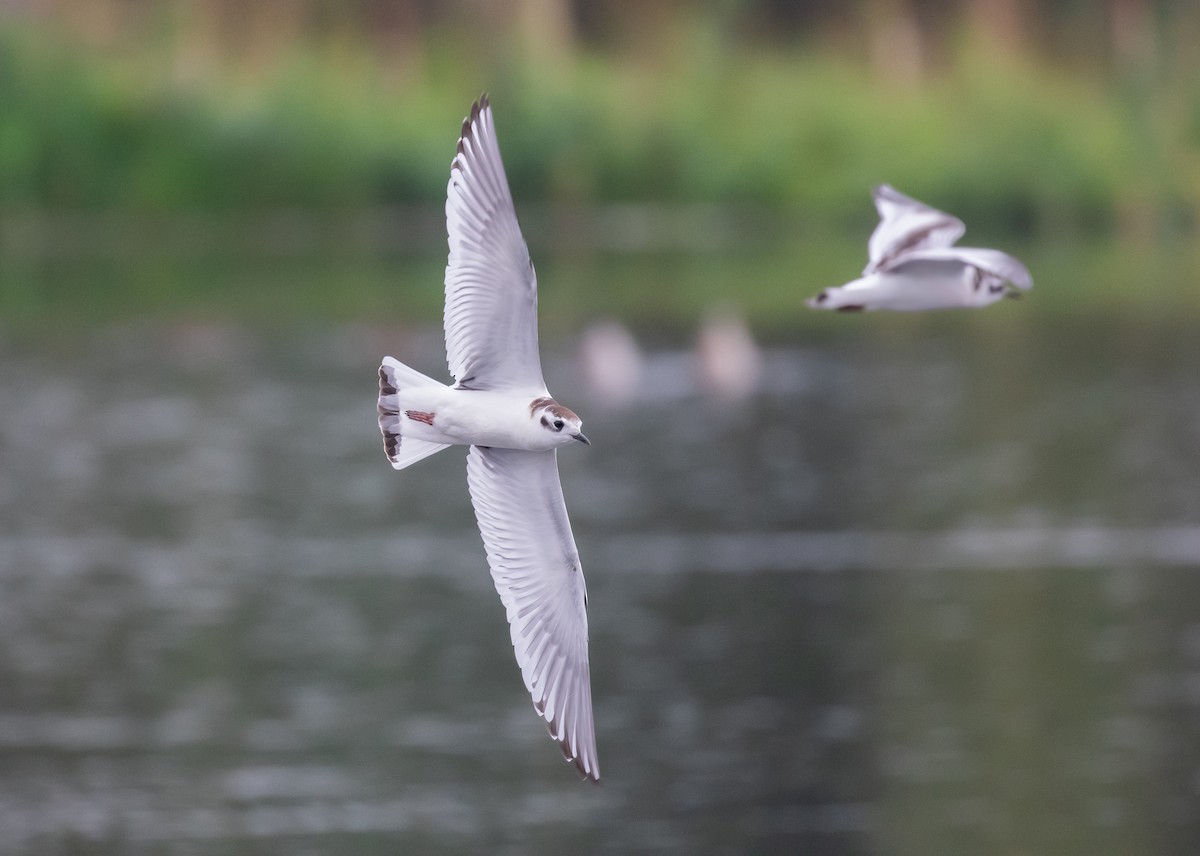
(563, 412)
(553, 407)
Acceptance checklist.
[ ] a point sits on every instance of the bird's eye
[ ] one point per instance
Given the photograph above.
(558, 424)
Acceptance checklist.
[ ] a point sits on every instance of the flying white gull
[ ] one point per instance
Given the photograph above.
(500, 407)
(914, 264)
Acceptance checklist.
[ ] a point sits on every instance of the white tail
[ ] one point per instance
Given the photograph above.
(401, 451)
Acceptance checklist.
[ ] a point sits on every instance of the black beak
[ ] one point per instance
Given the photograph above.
(582, 439)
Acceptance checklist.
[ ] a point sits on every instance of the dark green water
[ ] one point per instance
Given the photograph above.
(934, 588)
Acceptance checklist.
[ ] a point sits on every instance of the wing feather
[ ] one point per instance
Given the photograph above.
(995, 262)
(491, 289)
(906, 225)
(531, 552)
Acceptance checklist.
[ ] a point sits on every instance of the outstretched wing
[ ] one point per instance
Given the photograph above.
(998, 264)
(491, 289)
(531, 551)
(906, 225)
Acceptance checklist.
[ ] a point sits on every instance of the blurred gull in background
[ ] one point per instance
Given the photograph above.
(914, 264)
(612, 362)
(728, 362)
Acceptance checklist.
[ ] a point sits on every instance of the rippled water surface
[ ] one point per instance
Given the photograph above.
(931, 589)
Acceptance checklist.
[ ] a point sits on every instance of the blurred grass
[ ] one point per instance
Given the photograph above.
(1095, 180)
(1004, 141)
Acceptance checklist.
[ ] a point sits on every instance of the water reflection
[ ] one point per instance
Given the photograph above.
(930, 593)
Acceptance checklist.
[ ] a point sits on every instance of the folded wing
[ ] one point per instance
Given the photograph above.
(535, 565)
(906, 225)
(491, 289)
(998, 264)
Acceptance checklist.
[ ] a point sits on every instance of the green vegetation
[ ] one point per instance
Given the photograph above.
(1006, 142)
(1095, 176)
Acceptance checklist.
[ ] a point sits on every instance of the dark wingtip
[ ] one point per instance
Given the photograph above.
(480, 104)
(851, 307)
(594, 778)
(565, 747)
(587, 775)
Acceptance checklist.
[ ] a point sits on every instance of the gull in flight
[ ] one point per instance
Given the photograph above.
(500, 407)
(914, 264)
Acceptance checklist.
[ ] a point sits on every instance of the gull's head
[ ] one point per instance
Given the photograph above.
(987, 287)
(560, 423)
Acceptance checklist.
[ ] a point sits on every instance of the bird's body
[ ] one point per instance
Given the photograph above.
(447, 415)
(500, 407)
(914, 265)
(915, 286)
